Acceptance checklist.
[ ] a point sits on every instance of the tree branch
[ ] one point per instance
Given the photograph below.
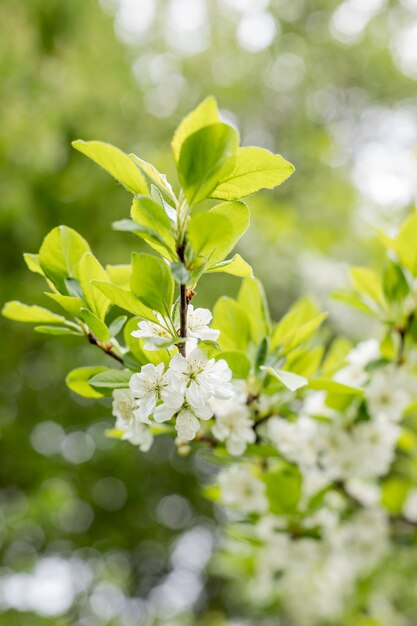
(183, 304)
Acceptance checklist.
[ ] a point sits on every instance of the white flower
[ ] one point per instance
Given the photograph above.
(153, 330)
(297, 441)
(134, 430)
(364, 491)
(315, 405)
(186, 417)
(201, 377)
(197, 324)
(242, 491)
(150, 386)
(234, 427)
(389, 393)
(354, 373)
(410, 506)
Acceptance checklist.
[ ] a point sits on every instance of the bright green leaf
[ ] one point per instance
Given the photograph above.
(60, 254)
(115, 162)
(290, 380)
(155, 177)
(233, 323)
(253, 300)
(152, 282)
(124, 299)
(236, 266)
(255, 169)
(205, 114)
(31, 314)
(96, 325)
(77, 381)
(238, 363)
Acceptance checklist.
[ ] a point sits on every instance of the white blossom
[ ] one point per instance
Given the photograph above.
(152, 330)
(354, 373)
(297, 441)
(235, 428)
(186, 417)
(124, 409)
(150, 386)
(200, 377)
(389, 393)
(241, 490)
(197, 324)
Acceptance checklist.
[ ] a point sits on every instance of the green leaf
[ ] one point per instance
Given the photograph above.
(119, 275)
(352, 299)
(180, 273)
(206, 157)
(405, 244)
(33, 263)
(395, 284)
(233, 323)
(60, 254)
(115, 162)
(57, 330)
(77, 381)
(110, 379)
(253, 300)
(96, 325)
(155, 177)
(155, 226)
(332, 386)
(368, 283)
(394, 494)
(213, 234)
(238, 363)
(255, 169)
(117, 325)
(336, 356)
(305, 362)
(124, 299)
(31, 314)
(90, 270)
(298, 325)
(236, 266)
(152, 282)
(205, 114)
(70, 304)
(283, 488)
(290, 380)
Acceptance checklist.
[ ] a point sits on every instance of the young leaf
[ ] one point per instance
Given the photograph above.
(236, 266)
(181, 275)
(110, 379)
(115, 162)
(206, 157)
(70, 304)
(290, 380)
(253, 300)
(205, 114)
(301, 321)
(96, 325)
(283, 488)
(395, 284)
(117, 325)
(77, 381)
(238, 363)
(119, 275)
(124, 299)
(60, 254)
(405, 244)
(155, 177)
(33, 263)
(255, 169)
(152, 282)
(156, 228)
(213, 234)
(57, 330)
(233, 323)
(30, 314)
(368, 283)
(89, 270)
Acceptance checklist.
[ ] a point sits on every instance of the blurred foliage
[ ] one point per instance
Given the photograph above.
(320, 92)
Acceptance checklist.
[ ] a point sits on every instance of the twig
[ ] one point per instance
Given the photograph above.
(106, 348)
(183, 304)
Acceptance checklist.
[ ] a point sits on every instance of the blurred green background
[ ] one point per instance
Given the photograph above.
(91, 531)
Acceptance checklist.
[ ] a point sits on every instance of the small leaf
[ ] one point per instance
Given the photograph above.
(110, 379)
(124, 299)
(119, 275)
(57, 330)
(180, 273)
(368, 283)
(255, 169)
(154, 226)
(31, 314)
(233, 323)
(60, 254)
(152, 282)
(332, 386)
(206, 157)
(96, 325)
(283, 488)
(33, 263)
(205, 114)
(77, 381)
(290, 380)
(117, 325)
(70, 304)
(115, 162)
(90, 270)
(236, 266)
(155, 177)
(253, 299)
